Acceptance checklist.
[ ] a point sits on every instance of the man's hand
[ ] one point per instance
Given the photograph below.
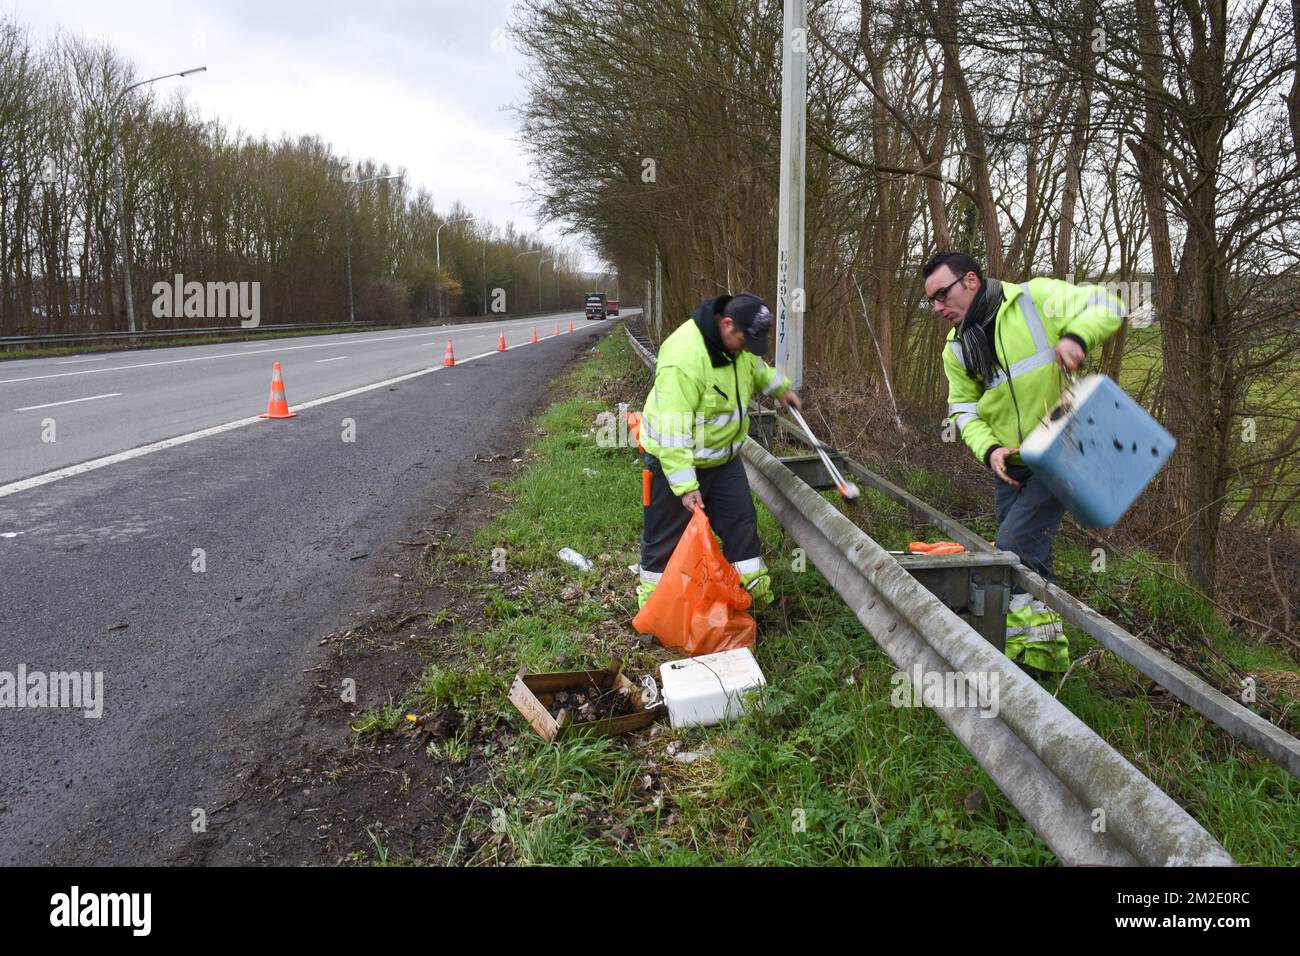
(998, 462)
(692, 500)
(1069, 355)
(791, 400)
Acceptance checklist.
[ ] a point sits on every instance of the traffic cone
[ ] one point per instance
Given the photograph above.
(449, 357)
(278, 406)
(501, 343)
(557, 328)
(534, 333)
(570, 325)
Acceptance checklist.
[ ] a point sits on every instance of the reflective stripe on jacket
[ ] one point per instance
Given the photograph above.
(1034, 316)
(697, 416)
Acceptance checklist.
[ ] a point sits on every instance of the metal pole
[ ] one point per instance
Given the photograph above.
(437, 248)
(530, 252)
(485, 302)
(659, 297)
(121, 202)
(790, 293)
(347, 224)
(121, 219)
(540, 263)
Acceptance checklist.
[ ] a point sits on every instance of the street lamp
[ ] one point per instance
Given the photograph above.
(540, 263)
(531, 252)
(347, 226)
(49, 176)
(437, 248)
(121, 204)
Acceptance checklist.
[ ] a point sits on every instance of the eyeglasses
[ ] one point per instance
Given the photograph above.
(942, 295)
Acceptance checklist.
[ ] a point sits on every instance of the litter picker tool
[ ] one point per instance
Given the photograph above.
(847, 489)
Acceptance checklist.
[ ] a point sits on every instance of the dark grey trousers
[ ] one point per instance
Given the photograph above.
(727, 502)
(1028, 518)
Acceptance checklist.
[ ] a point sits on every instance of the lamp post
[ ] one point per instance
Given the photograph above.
(530, 252)
(49, 175)
(437, 246)
(121, 203)
(540, 263)
(347, 222)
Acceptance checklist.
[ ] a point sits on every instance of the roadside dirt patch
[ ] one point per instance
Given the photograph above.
(309, 790)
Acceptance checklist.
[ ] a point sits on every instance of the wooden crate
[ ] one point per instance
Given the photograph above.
(532, 695)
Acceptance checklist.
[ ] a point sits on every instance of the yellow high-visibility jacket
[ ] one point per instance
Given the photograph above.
(697, 415)
(1034, 316)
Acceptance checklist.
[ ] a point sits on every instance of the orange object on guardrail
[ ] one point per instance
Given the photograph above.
(938, 547)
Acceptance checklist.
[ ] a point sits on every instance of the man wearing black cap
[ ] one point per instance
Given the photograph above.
(694, 422)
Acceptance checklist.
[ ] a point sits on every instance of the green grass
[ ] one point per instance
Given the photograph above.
(827, 772)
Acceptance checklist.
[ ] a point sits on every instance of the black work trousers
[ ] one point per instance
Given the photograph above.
(727, 502)
(1029, 516)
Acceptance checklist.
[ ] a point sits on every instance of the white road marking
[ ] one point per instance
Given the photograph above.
(102, 358)
(285, 348)
(50, 476)
(71, 401)
(334, 359)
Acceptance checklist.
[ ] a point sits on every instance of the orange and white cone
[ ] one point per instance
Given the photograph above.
(449, 357)
(278, 406)
(501, 343)
(534, 333)
(557, 328)
(570, 325)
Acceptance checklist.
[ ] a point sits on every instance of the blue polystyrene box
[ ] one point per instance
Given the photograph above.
(1097, 450)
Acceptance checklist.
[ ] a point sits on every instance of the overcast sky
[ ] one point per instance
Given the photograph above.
(419, 85)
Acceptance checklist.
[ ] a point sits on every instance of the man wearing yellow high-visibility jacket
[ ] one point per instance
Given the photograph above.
(1003, 359)
(693, 424)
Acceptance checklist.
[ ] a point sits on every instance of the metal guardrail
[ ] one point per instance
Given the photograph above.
(1227, 714)
(1056, 770)
(53, 338)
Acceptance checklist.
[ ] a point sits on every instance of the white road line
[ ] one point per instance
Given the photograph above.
(334, 359)
(50, 476)
(102, 358)
(71, 401)
(286, 348)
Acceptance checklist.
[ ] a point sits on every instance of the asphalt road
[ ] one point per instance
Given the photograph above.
(104, 404)
(99, 566)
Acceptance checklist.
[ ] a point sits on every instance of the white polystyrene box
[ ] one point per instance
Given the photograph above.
(709, 689)
(1097, 450)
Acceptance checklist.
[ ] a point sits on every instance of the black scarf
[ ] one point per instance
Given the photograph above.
(976, 332)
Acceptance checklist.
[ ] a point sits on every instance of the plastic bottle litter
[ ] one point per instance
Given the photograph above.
(575, 559)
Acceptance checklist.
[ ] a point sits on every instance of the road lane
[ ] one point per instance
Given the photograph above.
(169, 392)
(194, 663)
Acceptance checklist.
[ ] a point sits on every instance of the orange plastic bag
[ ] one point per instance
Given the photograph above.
(938, 547)
(699, 604)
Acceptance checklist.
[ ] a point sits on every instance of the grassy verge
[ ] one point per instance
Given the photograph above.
(827, 773)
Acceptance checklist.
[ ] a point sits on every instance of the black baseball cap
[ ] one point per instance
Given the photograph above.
(753, 317)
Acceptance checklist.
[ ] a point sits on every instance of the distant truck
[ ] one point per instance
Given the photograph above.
(596, 305)
(611, 307)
